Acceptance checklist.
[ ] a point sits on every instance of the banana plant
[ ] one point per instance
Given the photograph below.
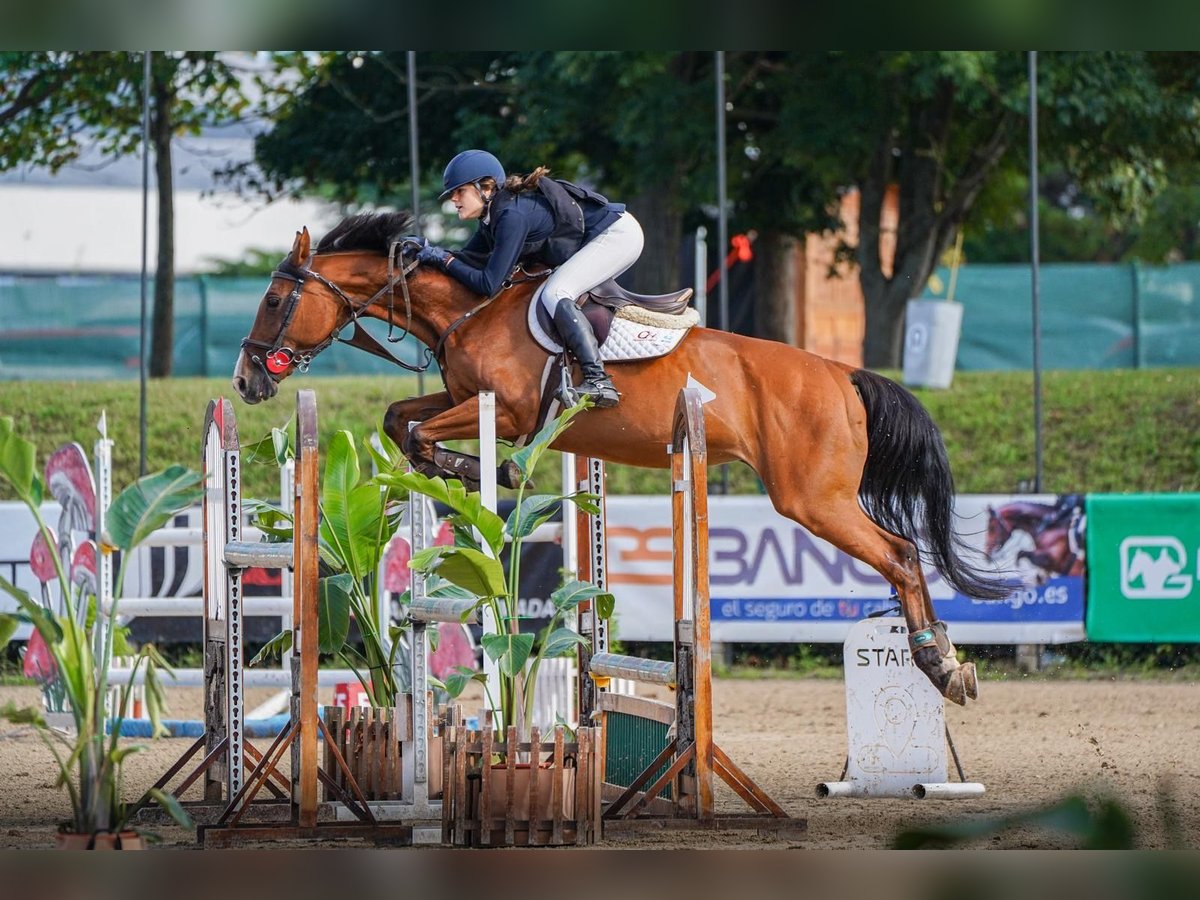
(91, 761)
(358, 519)
(474, 564)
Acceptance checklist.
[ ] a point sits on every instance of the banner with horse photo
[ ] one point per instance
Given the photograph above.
(771, 580)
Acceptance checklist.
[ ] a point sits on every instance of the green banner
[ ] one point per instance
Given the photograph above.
(1143, 567)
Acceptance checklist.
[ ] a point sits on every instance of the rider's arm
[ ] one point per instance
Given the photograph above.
(477, 244)
(510, 231)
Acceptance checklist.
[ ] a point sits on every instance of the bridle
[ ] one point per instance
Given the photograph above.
(276, 358)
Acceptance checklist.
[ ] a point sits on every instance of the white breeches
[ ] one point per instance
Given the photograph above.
(605, 256)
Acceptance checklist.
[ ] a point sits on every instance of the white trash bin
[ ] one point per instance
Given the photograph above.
(931, 332)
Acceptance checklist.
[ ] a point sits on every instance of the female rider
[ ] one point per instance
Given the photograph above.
(540, 219)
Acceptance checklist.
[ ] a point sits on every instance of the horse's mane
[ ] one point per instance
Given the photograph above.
(367, 231)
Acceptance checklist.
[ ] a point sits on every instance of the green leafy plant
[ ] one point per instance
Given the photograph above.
(90, 762)
(358, 518)
(473, 566)
(1100, 824)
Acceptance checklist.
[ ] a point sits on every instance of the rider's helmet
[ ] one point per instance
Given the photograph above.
(470, 167)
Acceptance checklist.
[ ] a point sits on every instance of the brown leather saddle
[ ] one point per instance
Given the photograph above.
(601, 303)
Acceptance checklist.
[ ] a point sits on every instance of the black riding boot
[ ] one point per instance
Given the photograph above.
(576, 332)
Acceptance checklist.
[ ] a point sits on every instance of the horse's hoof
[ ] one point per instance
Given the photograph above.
(508, 475)
(956, 690)
(970, 680)
(962, 684)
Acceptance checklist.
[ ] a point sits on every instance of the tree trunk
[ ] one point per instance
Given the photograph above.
(657, 272)
(162, 340)
(775, 288)
(883, 343)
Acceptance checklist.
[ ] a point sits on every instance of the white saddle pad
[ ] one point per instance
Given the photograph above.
(626, 339)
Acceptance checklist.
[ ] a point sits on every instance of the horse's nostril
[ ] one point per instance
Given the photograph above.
(239, 385)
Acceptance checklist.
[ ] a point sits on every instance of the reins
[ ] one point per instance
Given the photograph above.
(483, 304)
(277, 357)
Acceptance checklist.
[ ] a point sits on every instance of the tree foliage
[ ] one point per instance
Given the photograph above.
(55, 104)
(936, 127)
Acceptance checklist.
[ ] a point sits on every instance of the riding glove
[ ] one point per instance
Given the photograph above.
(431, 254)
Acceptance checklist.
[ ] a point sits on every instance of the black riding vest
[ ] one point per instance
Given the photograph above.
(564, 200)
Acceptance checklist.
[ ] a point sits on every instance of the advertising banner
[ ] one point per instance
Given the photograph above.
(773, 581)
(1144, 567)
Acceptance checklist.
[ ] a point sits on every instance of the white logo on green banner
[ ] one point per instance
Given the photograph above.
(1152, 568)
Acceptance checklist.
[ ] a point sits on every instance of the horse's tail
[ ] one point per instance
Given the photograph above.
(907, 487)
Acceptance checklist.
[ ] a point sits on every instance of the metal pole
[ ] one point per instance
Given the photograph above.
(1035, 255)
(145, 241)
(722, 191)
(701, 275)
(414, 164)
(722, 221)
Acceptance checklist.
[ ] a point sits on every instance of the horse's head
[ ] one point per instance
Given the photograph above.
(292, 326)
(998, 532)
(310, 299)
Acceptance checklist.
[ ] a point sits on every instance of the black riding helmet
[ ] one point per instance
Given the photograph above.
(470, 167)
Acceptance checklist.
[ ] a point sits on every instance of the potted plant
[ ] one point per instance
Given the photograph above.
(90, 761)
(358, 518)
(474, 566)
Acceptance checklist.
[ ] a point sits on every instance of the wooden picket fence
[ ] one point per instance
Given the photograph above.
(539, 793)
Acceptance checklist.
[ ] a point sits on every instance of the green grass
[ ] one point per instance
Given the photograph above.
(1104, 431)
(1112, 431)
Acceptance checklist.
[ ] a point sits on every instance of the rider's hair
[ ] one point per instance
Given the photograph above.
(516, 183)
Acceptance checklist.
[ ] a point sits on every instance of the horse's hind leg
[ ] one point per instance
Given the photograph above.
(846, 526)
(966, 671)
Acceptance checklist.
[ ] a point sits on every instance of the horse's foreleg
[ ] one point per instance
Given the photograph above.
(438, 461)
(414, 409)
(423, 441)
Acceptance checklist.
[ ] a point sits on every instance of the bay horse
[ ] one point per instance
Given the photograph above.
(822, 436)
(1056, 550)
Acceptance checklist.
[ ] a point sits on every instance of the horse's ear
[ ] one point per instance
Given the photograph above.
(300, 248)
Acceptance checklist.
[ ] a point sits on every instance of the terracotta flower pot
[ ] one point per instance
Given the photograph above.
(69, 840)
(102, 840)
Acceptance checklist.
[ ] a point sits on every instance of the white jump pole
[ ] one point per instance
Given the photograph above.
(487, 494)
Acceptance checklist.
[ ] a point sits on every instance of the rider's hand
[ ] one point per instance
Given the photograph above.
(431, 254)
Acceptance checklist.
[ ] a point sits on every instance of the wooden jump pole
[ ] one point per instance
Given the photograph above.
(691, 756)
(305, 660)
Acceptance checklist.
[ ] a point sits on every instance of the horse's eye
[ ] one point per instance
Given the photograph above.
(272, 301)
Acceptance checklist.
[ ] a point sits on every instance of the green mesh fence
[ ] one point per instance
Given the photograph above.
(631, 745)
(1093, 317)
(71, 327)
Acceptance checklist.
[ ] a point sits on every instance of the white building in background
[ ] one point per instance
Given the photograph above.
(87, 218)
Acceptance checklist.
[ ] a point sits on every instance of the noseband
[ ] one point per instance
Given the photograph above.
(276, 358)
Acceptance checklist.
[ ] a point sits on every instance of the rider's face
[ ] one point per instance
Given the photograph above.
(468, 201)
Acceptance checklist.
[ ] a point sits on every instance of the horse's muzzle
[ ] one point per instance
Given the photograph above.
(251, 384)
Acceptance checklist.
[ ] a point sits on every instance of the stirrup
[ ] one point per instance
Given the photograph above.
(601, 392)
(603, 396)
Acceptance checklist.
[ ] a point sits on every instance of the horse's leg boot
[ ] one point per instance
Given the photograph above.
(935, 655)
(576, 332)
(468, 469)
(966, 671)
